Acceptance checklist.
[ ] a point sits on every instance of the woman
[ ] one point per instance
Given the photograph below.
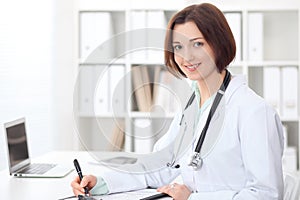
(245, 159)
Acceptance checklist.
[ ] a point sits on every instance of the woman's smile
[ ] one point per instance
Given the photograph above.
(192, 67)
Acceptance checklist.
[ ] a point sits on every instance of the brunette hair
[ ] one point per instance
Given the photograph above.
(214, 27)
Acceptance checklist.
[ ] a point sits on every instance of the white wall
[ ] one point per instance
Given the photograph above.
(64, 75)
(37, 73)
(25, 71)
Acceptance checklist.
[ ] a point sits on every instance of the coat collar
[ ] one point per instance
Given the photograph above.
(236, 82)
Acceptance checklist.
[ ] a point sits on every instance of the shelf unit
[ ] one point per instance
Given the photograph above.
(275, 44)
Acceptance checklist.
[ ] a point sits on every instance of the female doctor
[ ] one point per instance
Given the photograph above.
(245, 159)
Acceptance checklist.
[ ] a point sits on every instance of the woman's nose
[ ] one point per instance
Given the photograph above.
(188, 55)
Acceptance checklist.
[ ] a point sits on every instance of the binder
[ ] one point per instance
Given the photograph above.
(138, 36)
(235, 22)
(255, 35)
(86, 90)
(285, 135)
(290, 91)
(101, 100)
(96, 31)
(272, 87)
(289, 159)
(143, 137)
(156, 25)
(116, 89)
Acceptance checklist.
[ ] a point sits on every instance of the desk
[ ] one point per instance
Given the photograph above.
(13, 188)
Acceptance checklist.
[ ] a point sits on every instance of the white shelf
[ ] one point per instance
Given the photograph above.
(103, 115)
(280, 37)
(119, 61)
(258, 5)
(290, 119)
(147, 62)
(272, 63)
(150, 115)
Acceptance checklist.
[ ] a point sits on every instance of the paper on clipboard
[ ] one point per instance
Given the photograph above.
(132, 195)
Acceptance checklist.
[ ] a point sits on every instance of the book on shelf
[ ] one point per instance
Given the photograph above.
(156, 84)
(163, 98)
(155, 89)
(166, 91)
(118, 137)
(142, 88)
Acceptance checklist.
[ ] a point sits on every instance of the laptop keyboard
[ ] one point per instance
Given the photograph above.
(37, 168)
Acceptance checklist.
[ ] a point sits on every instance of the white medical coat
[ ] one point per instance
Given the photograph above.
(245, 161)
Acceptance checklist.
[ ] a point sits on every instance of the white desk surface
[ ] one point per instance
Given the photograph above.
(13, 188)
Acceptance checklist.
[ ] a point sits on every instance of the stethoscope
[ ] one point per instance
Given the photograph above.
(196, 161)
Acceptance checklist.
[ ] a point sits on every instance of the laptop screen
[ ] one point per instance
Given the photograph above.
(17, 143)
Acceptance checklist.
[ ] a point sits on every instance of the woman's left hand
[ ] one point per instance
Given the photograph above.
(176, 191)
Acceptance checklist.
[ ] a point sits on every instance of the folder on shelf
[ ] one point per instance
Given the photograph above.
(235, 22)
(116, 89)
(290, 91)
(96, 31)
(101, 94)
(285, 135)
(138, 35)
(272, 86)
(255, 36)
(86, 90)
(156, 24)
(289, 159)
(143, 137)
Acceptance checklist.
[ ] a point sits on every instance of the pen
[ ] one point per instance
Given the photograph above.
(78, 169)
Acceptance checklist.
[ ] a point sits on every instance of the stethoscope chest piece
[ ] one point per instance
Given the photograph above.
(196, 161)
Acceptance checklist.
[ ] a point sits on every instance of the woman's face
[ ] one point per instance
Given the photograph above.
(191, 52)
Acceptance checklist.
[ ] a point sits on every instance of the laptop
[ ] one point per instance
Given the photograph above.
(18, 155)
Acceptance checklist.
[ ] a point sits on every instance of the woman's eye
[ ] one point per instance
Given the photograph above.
(198, 44)
(177, 47)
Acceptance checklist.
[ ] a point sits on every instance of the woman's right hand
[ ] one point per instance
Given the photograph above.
(78, 186)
